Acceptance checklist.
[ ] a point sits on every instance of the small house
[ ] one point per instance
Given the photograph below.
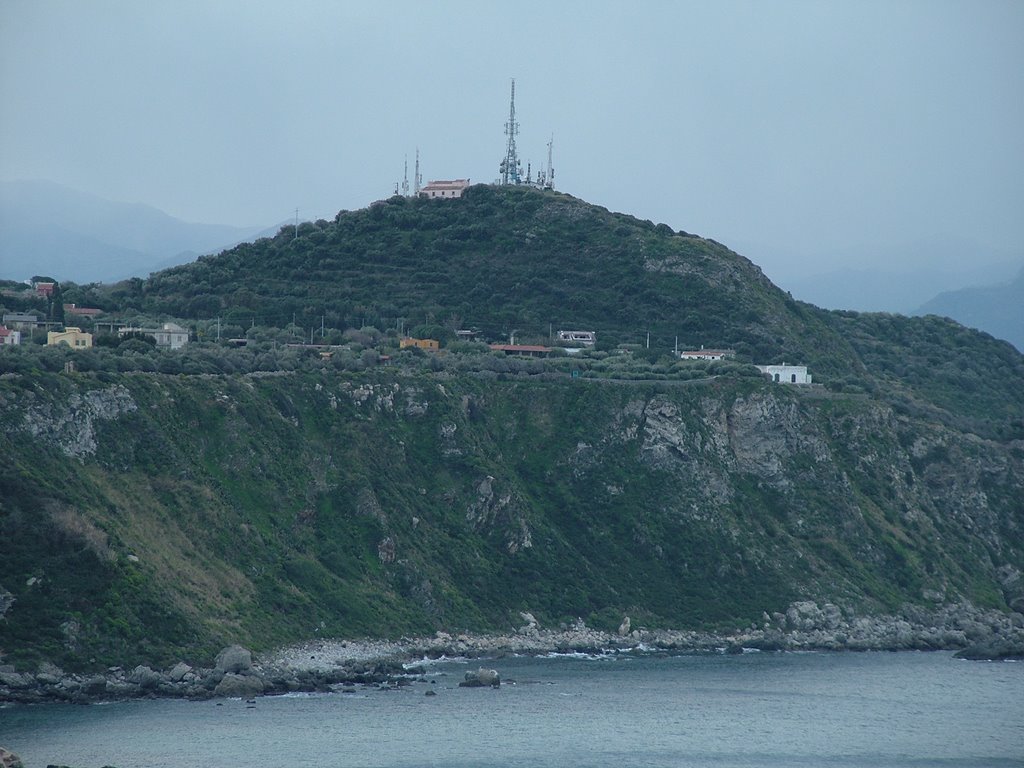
(445, 189)
(167, 336)
(75, 338)
(582, 338)
(428, 345)
(21, 320)
(527, 350)
(706, 354)
(9, 337)
(74, 309)
(786, 374)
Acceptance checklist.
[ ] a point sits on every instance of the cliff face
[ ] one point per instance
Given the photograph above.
(151, 516)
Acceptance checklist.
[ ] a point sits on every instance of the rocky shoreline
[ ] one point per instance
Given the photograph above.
(336, 665)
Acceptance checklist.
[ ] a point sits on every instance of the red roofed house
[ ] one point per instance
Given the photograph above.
(9, 337)
(74, 309)
(447, 190)
(706, 354)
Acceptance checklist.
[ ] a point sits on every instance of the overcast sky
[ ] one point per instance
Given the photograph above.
(813, 129)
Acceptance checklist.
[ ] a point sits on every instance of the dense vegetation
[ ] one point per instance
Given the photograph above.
(148, 516)
(162, 503)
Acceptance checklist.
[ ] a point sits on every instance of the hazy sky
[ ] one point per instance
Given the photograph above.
(813, 128)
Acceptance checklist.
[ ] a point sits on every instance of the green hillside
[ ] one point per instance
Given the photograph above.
(161, 504)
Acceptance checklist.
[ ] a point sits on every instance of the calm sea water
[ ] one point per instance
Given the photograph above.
(757, 710)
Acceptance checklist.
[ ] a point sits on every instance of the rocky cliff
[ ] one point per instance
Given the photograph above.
(149, 517)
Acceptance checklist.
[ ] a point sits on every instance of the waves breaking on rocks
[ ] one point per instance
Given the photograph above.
(332, 665)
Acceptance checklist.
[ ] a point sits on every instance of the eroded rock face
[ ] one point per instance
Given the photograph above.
(71, 426)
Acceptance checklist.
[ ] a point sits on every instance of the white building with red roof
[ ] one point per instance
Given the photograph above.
(445, 189)
(9, 337)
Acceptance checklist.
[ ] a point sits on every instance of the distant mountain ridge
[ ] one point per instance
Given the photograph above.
(890, 277)
(995, 309)
(46, 228)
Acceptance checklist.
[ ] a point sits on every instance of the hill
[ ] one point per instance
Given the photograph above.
(159, 504)
(49, 229)
(995, 309)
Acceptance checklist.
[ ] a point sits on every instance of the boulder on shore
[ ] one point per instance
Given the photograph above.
(145, 677)
(235, 659)
(238, 686)
(178, 672)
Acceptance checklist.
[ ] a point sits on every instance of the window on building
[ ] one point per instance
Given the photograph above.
(776, 377)
(792, 379)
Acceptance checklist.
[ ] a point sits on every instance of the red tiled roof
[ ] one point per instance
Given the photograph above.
(519, 348)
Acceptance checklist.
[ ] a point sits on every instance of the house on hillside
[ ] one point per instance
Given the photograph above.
(527, 350)
(74, 309)
(786, 374)
(445, 189)
(168, 336)
(75, 338)
(45, 290)
(706, 354)
(582, 338)
(21, 320)
(428, 345)
(9, 338)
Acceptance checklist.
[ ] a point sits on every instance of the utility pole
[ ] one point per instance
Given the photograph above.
(296, 222)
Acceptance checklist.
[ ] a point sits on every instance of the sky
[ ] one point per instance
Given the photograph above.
(807, 135)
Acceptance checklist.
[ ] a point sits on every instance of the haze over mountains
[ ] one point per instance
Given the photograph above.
(996, 309)
(49, 229)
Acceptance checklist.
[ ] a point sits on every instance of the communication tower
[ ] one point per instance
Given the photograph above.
(417, 179)
(549, 174)
(405, 178)
(511, 170)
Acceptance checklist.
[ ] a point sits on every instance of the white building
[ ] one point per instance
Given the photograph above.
(786, 374)
(706, 354)
(584, 338)
(445, 189)
(9, 337)
(169, 336)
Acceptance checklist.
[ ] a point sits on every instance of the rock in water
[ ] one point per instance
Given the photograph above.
(481, 678)
(238, 686)
(10, 760)
(235, 659)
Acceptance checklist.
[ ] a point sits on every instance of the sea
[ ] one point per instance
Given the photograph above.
(752, 710)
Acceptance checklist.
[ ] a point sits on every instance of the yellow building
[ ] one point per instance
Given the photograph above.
(430, 345)
(75, 338)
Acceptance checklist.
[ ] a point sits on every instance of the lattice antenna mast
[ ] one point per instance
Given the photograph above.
(417, 179)
(511, 170)
(549, 176)
(405, 178)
